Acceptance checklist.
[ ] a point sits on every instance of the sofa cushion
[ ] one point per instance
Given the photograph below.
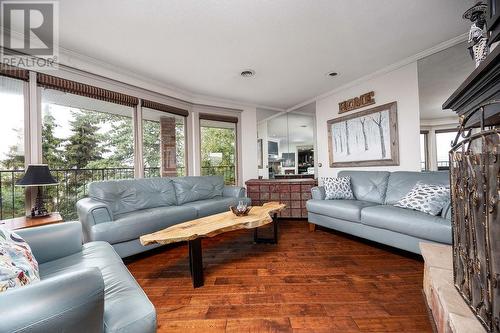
(215, 205)
(18, 266)
(409, 222)
(338, 188)
(368, 185)
(190, 189)
(126, 307)
(426, 198)
(401, 182)
(132, 225)
(124, 196)
(342, 209)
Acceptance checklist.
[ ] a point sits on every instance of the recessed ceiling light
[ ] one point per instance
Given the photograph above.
(248, 73)
(332, 74)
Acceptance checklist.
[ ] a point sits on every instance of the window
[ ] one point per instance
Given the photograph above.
(84, 140)
(444, 139)
(11, 147)
(424, 151)
(151, 135)
(218, 149)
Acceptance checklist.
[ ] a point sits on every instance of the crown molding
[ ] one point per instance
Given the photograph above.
(435, 49)
(445, 121)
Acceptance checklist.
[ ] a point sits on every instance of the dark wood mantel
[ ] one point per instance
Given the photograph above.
(481, 86)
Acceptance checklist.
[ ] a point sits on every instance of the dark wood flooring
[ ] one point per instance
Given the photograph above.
(319, 281)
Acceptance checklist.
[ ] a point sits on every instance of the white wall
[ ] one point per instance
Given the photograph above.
(400, 85)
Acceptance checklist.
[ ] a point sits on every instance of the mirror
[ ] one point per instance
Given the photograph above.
(288, 143)
(439, 75)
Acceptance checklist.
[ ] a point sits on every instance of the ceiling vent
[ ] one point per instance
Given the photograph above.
(248, 73)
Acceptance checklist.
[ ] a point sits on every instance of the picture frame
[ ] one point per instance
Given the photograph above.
(365, 138)
(260, 156)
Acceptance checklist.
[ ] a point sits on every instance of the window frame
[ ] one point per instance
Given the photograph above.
(441, 131)
(425, 133)
(220, 117)
(185, 123)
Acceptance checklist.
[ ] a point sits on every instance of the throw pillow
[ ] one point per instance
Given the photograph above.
(338, 188)
(18, 267)
(427, 198)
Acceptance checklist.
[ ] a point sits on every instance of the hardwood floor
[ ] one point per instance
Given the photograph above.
(322, 281)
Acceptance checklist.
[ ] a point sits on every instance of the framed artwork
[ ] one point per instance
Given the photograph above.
(288, 160)
(260, 156)
(365, 138)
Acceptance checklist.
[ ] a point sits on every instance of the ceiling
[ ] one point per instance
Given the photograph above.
(202, 46)
(265, 114)
(439, 75)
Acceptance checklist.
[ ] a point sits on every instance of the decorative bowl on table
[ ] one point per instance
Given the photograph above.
(241, 210)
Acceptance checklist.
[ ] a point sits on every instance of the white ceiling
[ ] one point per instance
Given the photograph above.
(201, 46)
(439, 75)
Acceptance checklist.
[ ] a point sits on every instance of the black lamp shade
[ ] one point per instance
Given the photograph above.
(37, 175)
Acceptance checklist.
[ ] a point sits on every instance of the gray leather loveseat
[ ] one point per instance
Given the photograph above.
(119, 212)
(82, 288)
(373, 216)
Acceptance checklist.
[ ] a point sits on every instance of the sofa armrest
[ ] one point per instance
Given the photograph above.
(233, 191)
(92, 212)
(446, 212)
(69, 302)
(54, 241)
(318, 193)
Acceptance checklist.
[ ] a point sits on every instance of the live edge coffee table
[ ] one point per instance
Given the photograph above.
(210, 226)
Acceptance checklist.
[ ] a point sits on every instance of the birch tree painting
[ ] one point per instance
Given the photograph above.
(365, 138)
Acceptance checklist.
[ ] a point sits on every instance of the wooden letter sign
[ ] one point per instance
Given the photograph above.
(357, 102)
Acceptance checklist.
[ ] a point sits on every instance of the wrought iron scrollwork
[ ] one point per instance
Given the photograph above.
(474, 175)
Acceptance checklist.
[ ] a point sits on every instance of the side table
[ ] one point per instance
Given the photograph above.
(29, 222)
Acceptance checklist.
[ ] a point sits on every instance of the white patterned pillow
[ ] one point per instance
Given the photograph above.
(427, 198)
(18, 267)
(338, 188)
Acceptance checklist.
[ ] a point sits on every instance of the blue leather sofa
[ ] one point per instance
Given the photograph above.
(82, 288)
(373, 216)
(119, 212)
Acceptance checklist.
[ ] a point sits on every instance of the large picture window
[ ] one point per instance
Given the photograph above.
(154, 137)
(87, 133)
(218, 149)
(11, 147)
(443, 146)
(84, 140)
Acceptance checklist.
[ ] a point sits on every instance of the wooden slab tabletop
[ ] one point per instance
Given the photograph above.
(213, 225)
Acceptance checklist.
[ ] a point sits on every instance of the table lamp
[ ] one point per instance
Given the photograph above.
(38, 175)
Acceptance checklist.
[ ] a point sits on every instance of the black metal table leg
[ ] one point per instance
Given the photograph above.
(274, 239)
(196, 262)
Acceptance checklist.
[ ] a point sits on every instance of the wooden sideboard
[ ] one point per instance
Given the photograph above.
(294, 193)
